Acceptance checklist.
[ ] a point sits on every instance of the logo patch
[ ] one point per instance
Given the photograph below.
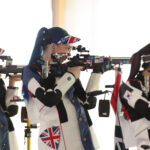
(127, 95)
(69, 78)
(51, 137)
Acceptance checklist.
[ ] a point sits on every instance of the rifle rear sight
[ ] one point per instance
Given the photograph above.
(80, 48)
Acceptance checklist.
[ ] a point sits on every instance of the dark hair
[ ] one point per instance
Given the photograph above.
(145, 65)
(136, 61)
(46, 36)
(45, 47)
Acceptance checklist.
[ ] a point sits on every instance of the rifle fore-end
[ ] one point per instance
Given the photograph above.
(11, 69)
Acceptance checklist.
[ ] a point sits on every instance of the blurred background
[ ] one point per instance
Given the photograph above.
(106, 28)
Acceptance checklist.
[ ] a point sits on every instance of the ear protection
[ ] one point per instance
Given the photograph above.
(53, 47)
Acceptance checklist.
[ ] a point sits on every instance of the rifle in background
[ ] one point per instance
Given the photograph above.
(8, 68)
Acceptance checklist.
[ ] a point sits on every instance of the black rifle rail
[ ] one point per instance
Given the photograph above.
(11, 69)
(89, 61)
(5, 57)
(120, 60)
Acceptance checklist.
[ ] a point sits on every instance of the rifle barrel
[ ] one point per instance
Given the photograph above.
(120, 60)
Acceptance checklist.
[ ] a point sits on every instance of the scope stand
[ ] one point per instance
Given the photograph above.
(28, 134)
(25, 119)
(28, 128)
(27, 131)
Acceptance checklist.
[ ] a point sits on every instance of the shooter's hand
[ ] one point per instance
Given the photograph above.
(98, 68)
(75, 71)
(102, 67)
(13, 79)
(91, 102)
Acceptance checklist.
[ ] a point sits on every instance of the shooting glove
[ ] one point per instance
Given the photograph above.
(49, 82)
(90, 103)
(102, 67)
(98, 68)
(49, 98)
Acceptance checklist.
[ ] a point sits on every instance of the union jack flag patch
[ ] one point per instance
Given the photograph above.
(68, 40)
(51, 137)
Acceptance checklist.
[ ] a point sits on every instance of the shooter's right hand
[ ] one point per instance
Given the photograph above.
(13, 79)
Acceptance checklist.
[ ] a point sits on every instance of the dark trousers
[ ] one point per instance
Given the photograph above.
(4, 139)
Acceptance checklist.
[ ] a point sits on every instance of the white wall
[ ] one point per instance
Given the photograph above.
(20, 22)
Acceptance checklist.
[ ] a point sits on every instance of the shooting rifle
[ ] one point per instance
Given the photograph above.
(89, 61)
(83, 58)
(9, 68)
